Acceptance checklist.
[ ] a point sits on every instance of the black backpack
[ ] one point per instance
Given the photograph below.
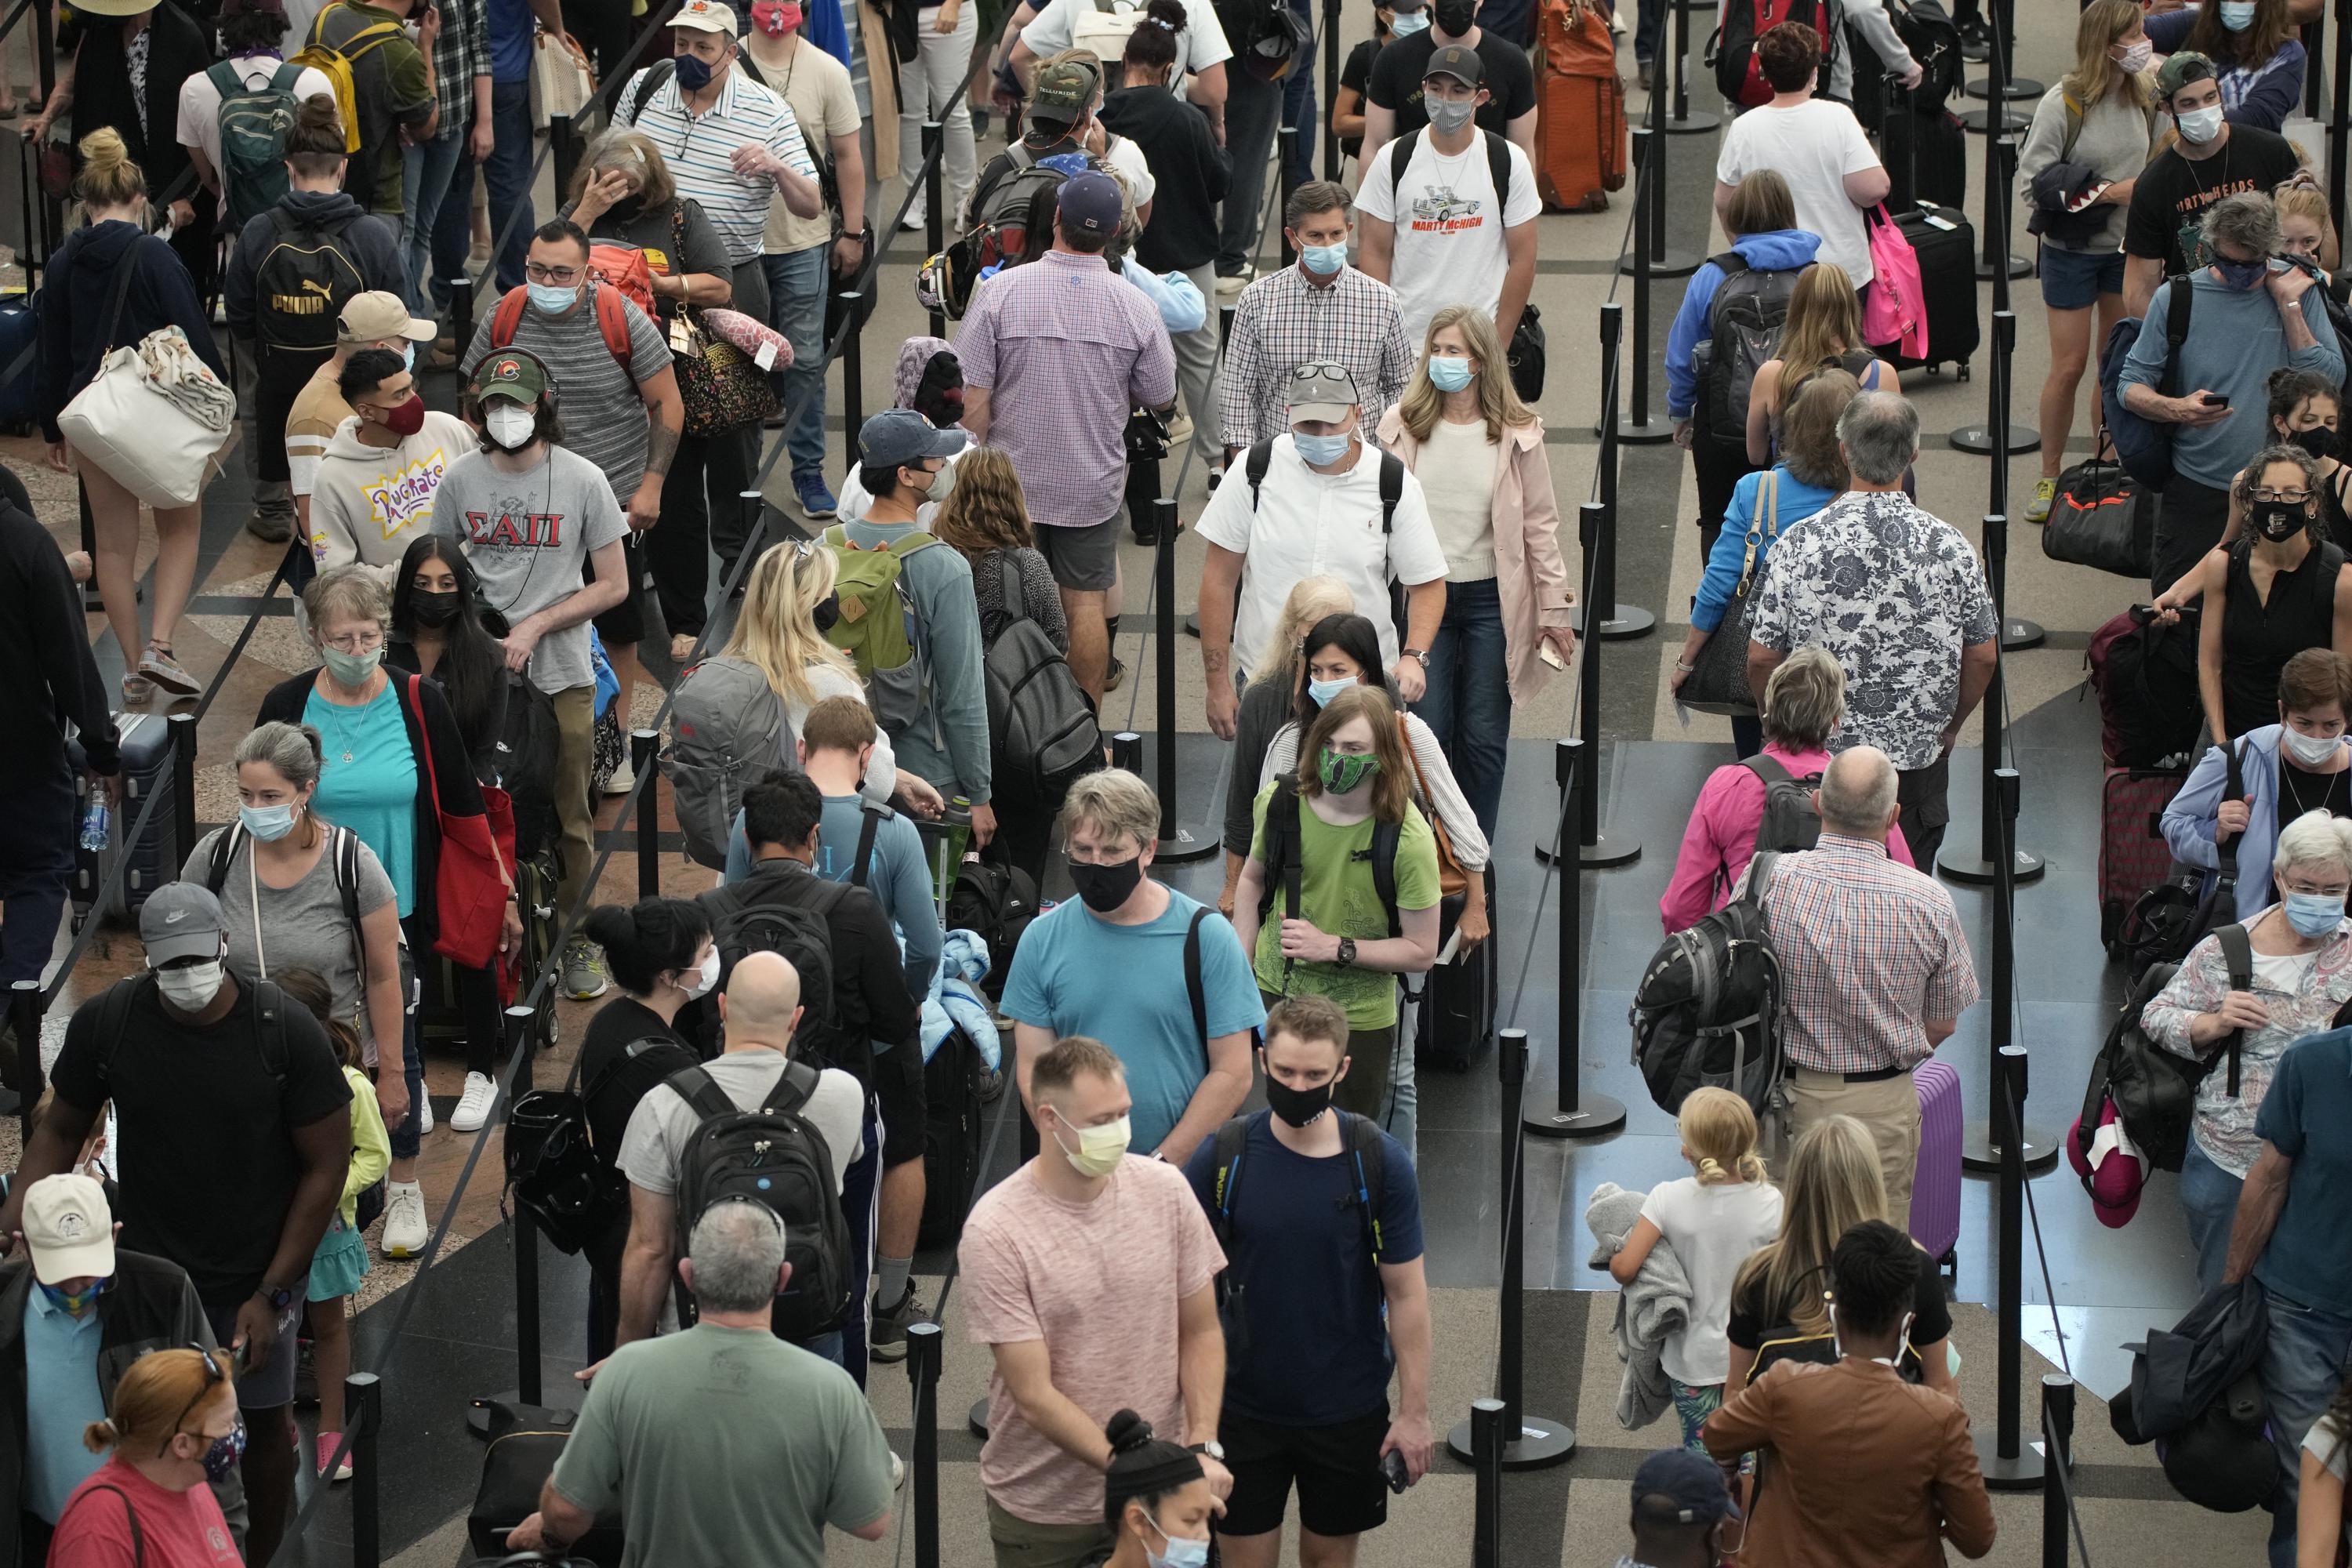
(1738, 75)
(803, 934)
(997, 902)
(1790, 821)
(1282, 863)
(1360, 1139)
(526, 765)
(305, 278)
(774, 1156)
(1708, 1010)
(1744, 323)
(1042, 730)
(1261, 456)
(2155, 1089)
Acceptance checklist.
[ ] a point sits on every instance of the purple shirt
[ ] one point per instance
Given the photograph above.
(1064, 350)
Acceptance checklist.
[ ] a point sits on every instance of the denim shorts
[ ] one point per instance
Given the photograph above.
(2073, 279)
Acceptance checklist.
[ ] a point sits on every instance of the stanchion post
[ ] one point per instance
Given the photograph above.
(645, 746)
(1286, 149)
(923, 1361)
(520, 1025)
(1574, 1112)
(755, 508)
(1487, 1458)
(562, 151)
(1984, 866)
(1597, 851)
(461, 308)
(2339, 119)
(1604, 617)
(2058, 1460)
(1983, 1145)
(182, 731)
(853, 374)
(1331, 88)
(1127, 752)
(1684, 123)
(24, 1023)
(2315, 35)
(2001, 85)
(362, 1423)
(1179, 844)
(2008, 1464)
(934, 218)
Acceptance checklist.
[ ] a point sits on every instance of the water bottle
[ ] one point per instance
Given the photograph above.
(94, 823)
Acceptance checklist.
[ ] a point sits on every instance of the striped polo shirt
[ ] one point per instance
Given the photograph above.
(701, 149)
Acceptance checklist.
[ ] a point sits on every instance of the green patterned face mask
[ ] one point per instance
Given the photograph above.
(1342, 772)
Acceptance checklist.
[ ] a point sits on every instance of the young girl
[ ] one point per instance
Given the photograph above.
(1713, 1220)
(337, 1268)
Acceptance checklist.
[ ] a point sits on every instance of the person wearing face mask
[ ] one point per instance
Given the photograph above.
(436, 630)
(1090, 1274)
(1396, 98)
(2301, 974)
(1119, 963)
(2307, 226)
(1349, 110)
(1156, 1499)
(181, 1050)
(371, 322)
(1323, 1297)
(2257, 57)
(2210, 158)
(373, 495)
(1856, 1465)
(174, 1428)
(928, 379)
(69, 1316)
(1269, 702)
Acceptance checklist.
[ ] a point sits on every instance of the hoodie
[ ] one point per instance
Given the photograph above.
(369, 504)
(1778, 250)
(45, 646)
(78, 295)
(370, 242)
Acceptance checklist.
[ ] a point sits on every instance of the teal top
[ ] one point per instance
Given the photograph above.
(61, 1397)
(369, 782)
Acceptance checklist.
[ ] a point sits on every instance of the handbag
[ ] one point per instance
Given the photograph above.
(721, 389)
(1526, 355)
(560, 82)
(1718, 682)
(154, 414)
(1451, 880)
(2101, 519)
(469, 887)
(1897, 310)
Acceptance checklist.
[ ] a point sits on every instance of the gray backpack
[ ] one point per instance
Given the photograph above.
(1744, 323)
(727, 734)
(1789, 823)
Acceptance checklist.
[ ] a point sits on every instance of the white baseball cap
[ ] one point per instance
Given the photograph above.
(69, 1228)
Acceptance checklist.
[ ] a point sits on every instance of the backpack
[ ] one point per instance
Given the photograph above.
(1043, 733)
(1254, 468)
(2144, 673)
(890, 650)
(1737, 73)
(624, 269)
(114, 1005)
(254, 123)
(2155, 1089)
(1105, 26)
(338, 64)
(1021, 203)
(526, 750)
(2168, 920)
(803, 934)
(2144, 447)
(1786, 1342)
(728, 732)
(344, 852)
(304, 279)
(774, 1156)
(612, 318)
(1283, 867)
(1790, 821)
(998, 903)
(1744, 325)
(1707, 1009)
(1360, 1140)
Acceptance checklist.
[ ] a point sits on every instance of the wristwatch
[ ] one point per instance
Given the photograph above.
(1213, 1448)
(1420, 653)
(1346, 951)
(279, 1297)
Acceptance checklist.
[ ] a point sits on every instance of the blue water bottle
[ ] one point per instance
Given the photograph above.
(94, 823)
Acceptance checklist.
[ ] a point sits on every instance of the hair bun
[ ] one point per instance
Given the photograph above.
(1127, 1432)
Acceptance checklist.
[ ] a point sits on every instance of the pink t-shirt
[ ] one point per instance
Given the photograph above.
(1720, 838)
(1098, 1282)
(177, 1529)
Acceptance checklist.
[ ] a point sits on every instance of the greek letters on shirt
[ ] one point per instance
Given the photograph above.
(515, 527)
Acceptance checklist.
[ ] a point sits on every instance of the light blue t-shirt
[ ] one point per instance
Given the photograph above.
(61, 1397)
(1124, 986)
(373, 793)
(897, 877)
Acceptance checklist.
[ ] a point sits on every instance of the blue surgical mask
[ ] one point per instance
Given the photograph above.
(268, 822)
(2312, 914)
(1447, 373)
(2237, 15)
(1322, 450)
(407, 353)
(1405, 24)
(1323, 261)
(550, 300)
(693, 73)
(1183, 1552)
(1322, 691)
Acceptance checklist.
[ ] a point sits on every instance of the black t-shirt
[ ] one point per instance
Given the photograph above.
(2301, 790)
(612, 1095)
(2173, 192)
(1358, 74)
(1510, 80)
(1931, 1315)
(1189, 172)
(207, 1148)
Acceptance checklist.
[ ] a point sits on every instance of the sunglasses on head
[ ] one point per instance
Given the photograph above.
(214, 1376)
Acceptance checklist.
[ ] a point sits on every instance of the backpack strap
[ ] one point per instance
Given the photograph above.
(1498, 170)
(285, 78)
(793, 1086)
(1402, 158)
(1731, 264)
(1361, 1136)
(871, 816)
(1232, 1138)
(114, 1005)
(269, 1028)
(2177, 305)
(1759, 875)
(651, 80)
(613, 322)
(2233, 787)
(507, 318)
(222, 75)
(1194, 991)
(1391, 491)
(223, 851)
(1281, 844)
(1254, 468)
(1768, 772)
(697, 1088)
(1385, 837)
(629, 1053)
(2237, 953)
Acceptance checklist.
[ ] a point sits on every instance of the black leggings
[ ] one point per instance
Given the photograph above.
(678, 548)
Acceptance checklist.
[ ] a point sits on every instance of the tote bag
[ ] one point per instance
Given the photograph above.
(154, 414)
(1718, 682)
(1897, 310)
(470, 893)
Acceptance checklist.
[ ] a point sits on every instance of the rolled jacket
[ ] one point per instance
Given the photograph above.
(2189, 820)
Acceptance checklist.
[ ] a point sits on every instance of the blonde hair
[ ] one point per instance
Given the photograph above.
(987, 510)
(1830, 1185)
(157, 1392)
(1311, 599)
(2102, 27)
(2298, 196)
(1718, 1132)
(776, 629)
(1115, 805)
(1498, 400)
(1824, 324)
(108, 177)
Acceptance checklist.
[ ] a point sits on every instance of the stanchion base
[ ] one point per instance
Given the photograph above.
(1965, 863)
(1192, 625)
(2017, 635)
(1978, 439)
(1672, 262)
(1194, 841)
(2015, 90)
(1542, 1443)
(1656, 433)
(1978, 1153)
(978, 1419)
(1600, 855)
(2018, 268)
(2022, 1473)
(1630, 621)
(1595, 1114)
(1694, 122)
(2010, 121)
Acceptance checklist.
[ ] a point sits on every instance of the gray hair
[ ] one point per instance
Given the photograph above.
(1805, 699)
(2248, 220)
(1880, 432)
(1116, 803)
(622, 150)
(736, 1248)
(347, 593)
(1858, 793)
(2314, 839)
(294, 750)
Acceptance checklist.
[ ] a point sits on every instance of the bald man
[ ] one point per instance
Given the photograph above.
(1874, 967)
(759, 1012)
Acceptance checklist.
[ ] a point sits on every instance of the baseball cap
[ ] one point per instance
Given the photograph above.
(1459, 62)
(895, 438)
(1692, 1482)
(1090, 203)
(1062, 90)
(69, 1228)
(706, 16)
(508, 374)
(1322, 389)
(379, 314)
(180, 920)
(2181, 69)
(2112, 1167)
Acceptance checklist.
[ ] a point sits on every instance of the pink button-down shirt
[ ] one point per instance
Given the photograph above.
(1721, 835)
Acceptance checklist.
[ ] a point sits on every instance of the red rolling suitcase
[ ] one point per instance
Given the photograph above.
(1936, 1185)
(2133, 854)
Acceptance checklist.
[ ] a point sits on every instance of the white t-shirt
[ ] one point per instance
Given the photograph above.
(662, 1123)
(2327, 1444)
(1814, 145)
(1201, 45)
(1309, 524)
(200, 98)
(1128, 158)
(1456, 470)
(1712, 1230)
(1449, 249)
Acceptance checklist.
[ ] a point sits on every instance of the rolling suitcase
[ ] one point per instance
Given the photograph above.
(2133, 854)
(951, 1139)
(1935, 1185)
(524, 1441)
(146, 747)
(1582, 138)
(1457, 1000)
(1940, 235)
(1926, 156)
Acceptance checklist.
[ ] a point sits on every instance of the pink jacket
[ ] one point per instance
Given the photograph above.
(1721, 835)
(1531, 576)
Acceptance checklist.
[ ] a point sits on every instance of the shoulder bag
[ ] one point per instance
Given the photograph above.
(154, 414)
(721, 389)
(1718, 682)
(469, 888)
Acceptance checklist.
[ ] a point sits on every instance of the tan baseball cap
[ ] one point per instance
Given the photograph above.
(1323, 391)
(69, 1228)
(706, 16)
(379, 314)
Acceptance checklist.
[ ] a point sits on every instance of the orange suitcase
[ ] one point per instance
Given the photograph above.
(1580, 127)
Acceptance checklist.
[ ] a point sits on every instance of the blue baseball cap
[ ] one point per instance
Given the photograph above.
(1090, 203)
(898, 437)
(1691, 1482)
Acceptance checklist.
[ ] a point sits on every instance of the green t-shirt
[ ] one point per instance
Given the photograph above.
(1337, 896)
(726, 1446)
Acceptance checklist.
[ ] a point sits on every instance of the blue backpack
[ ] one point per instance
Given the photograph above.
(2144, 445)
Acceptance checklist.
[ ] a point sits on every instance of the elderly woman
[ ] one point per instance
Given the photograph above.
(2300, 763)
(2301, 973)
(387, 743)
(1803, 702)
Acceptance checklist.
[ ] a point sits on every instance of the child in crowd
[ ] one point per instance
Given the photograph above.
(1713, 1220)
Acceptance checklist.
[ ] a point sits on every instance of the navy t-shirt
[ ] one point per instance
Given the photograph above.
(1319, 1341)
(2304, 1115)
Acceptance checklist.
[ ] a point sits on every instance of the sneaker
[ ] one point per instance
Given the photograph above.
(897, 1472)
(1229, 285)
(1617, 22)
(888, 1339)
(136, 691)
(328, 1443)
(424, 1115)
(270, 528)
(584, 970)
(1114, 675)
(1216, 478)
(914, 221)
(1642, 74)
(815, 499)
(158, 666)
(2045, 491)
(474, 1106)
(623, 779)
(405, 1230)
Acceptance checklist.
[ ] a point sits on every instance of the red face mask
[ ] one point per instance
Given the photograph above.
(776, 18)
(404, 418)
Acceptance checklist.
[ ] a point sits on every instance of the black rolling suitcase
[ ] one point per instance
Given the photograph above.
(1925, 157)
(1457, 999)
(146, 746)
(952, 1137)
(524, 1441)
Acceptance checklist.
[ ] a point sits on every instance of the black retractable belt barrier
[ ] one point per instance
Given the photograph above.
(2058, 1446)
(851, 296)
(182, 728)
(1682, 122)
(1575, 1112)
(2339, 121)
(2008, 1464)
(924, 1355)
(644, 748)
(1983, 1147)
(1179, 844)
(363, 1424)
(1486, 1442)
(24, 1022)
(935, 219)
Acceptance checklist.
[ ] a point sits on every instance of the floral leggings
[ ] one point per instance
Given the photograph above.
(1693, 1405)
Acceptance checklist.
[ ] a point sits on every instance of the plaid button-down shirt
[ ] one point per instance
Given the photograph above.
(461, 51)
(1283, 321)
(1868, 951)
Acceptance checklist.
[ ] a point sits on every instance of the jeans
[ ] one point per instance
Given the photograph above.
(425, 175)
(1400, 1113)
(2305, 1360)
(1649, 30)
(928, 83)
(509, 174)
(1253, 108)
(36, 862)
(409, 1135)
(2209, 1197)
(1468, 702)
(796, 286)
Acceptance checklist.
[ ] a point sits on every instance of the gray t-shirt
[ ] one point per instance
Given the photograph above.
(302, 927)
(662, 1123)
(529, 536)
(604, 414)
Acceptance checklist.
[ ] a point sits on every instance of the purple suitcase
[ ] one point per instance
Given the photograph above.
(1936, 1185)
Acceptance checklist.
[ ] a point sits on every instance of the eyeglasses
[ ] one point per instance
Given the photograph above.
(214, 1376)
(2292, 498)
(354, 642)
(539, 272)
(2286, 886)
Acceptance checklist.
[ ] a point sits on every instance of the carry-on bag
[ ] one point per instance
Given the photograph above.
(2101, 517)
(145, 742)
(1457, 1000)
(1936, 1183)
(524, 1441)
(2133, 859)
(154, 414)
(952, 1137)
(1581, 148)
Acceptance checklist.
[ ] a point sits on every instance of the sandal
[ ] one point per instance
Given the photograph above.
(160, 667)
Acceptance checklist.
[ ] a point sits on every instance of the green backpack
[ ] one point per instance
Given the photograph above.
(888, 648)
(254, 123)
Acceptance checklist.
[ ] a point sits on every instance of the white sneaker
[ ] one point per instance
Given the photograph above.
(623, 779)
(405, 1230)
(424, 1114)
(474, 1106)
(897, 1472)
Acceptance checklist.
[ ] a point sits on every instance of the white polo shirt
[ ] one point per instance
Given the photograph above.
(701, 149)
(1309, 524)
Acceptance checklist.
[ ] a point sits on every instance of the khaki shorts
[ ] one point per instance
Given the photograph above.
(1020, 1544)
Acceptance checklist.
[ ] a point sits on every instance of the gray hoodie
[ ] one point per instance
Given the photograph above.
(370, 503)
